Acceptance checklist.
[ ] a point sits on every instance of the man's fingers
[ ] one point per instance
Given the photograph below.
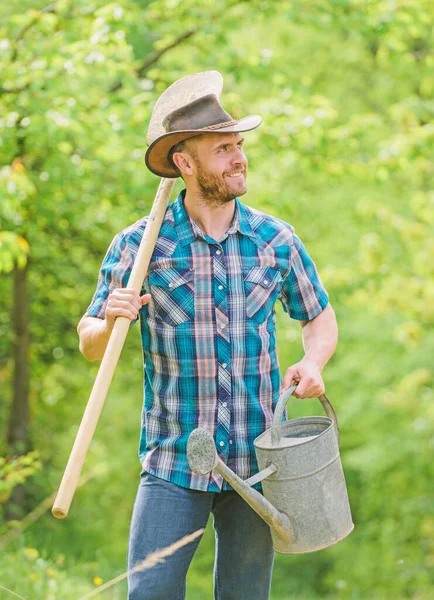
(316, 390)
(135, 298)
(309, 388)
(120, 296)
(125, 302)
(300, 391)
(115, 303)
(290, 376)
(113, 313)
(128, 294)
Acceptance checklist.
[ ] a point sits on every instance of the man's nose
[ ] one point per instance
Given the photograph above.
(238, 157)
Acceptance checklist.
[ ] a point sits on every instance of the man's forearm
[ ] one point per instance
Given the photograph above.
(94, 336)
(320, 337)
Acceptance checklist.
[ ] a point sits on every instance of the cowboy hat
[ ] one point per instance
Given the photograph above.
(202, 115)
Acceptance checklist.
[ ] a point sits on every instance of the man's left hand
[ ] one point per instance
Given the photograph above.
(307, 374)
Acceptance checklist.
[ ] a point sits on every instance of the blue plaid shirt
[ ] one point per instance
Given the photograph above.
(208, 334)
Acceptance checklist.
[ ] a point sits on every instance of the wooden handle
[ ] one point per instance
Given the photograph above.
(111, 356)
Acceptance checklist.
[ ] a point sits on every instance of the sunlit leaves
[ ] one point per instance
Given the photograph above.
(14, 251)
(14, 470)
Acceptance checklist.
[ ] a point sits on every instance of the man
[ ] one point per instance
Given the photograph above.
(208, 333)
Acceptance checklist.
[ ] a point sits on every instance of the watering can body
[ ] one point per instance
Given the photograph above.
(305, 499)
(308, 485)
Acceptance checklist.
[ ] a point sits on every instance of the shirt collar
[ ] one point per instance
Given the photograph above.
(187, 230)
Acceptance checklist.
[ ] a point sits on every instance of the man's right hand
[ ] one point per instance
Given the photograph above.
(124, 302)
(95, 332)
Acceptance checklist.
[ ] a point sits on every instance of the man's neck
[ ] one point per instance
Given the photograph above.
(213, 220)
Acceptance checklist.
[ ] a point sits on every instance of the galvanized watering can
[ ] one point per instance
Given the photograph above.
(306, 501)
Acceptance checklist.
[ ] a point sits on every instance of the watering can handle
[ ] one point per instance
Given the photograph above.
(280, 407)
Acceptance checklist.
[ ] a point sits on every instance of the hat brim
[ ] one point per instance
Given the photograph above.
(156, 157)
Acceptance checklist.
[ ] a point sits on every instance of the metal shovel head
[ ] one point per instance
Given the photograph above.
(182, 92)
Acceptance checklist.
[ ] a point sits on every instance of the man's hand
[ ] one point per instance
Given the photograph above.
(320, 336)
(307, 374)
(95, 332)
(124, 302)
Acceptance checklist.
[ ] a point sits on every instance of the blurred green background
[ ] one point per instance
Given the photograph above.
(345, 154)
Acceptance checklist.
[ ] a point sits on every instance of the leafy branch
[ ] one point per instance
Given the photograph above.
(154, 57)
(22, 32)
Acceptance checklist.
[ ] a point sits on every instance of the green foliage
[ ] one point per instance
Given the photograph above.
(13, 251)
(40, 578)
(345, 89)
(15, 470)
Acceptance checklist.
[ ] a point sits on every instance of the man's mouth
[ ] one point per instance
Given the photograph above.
(236, 174)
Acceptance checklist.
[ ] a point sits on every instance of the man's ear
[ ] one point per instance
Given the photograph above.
(184, 162)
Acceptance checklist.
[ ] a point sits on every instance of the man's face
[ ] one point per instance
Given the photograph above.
(220, 167)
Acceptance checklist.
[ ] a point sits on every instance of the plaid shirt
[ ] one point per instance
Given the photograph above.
(208, 334)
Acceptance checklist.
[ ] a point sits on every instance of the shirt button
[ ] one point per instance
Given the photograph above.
(224, 365)
(170, 284)
(222, 443)
(225, 404)
(266, 281)
(230, 441)
(220, 287)
(218, 251)
(222, 326)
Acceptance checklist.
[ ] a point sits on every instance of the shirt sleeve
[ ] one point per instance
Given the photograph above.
(114, 273)
(302, 295)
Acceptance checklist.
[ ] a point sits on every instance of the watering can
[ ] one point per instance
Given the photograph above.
(305, 499)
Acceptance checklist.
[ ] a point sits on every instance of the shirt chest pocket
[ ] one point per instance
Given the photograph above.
(172, 292)
(262, 286)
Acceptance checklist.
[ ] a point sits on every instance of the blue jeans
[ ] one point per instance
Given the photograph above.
(164, 513)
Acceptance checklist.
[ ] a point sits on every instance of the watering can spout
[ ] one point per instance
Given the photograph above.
(203, 458)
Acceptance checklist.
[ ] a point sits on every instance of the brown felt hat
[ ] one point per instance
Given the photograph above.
(203, 115)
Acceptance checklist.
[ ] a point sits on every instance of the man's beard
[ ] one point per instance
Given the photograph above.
(213, 189)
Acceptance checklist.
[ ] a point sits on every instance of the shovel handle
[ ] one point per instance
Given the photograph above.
(280, 408)
(111, 356)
